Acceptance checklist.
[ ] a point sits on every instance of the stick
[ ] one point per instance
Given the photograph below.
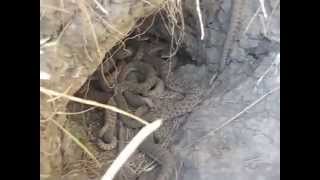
(200, 19)
(130, 149)
(93, 103)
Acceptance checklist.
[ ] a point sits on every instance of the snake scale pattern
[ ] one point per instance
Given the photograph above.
(147, 88)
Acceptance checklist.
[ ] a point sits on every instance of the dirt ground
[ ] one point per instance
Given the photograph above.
(246, 148)
(233, 134)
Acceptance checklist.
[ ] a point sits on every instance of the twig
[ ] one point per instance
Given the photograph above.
(112, 27)
(93, 103)
(83, 8)
(200, 18)
(76, 141)
(272, 13)
(75, 113)
(233, 118)
(274, 63)
(44, 40)
(149, 3)
(263, 9)
(101, 7)
(130, 149)
(251, 20)
(55, 41)
(58, 97)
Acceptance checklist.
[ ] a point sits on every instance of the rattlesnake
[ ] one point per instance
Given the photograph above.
(134, 87)
(106, 133)
(162, 156)
(172, 102)
(169, 99)
(173, 105)
(106, 140)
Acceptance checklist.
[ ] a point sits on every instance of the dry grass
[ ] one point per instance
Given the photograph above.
(92, 103)
(265, 19)
(75, 139)
(54, 96)
(171, 19)
(84, 9)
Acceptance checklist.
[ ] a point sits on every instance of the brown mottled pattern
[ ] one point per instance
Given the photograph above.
(107, 132)
(148, 83)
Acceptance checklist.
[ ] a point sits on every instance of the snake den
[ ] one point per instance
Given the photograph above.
(154, 89)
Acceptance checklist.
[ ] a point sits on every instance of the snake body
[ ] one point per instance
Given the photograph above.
(152, 98)
(106, 133)
(161, 156)
(149, 147)
(134, 87)
(106, 139)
